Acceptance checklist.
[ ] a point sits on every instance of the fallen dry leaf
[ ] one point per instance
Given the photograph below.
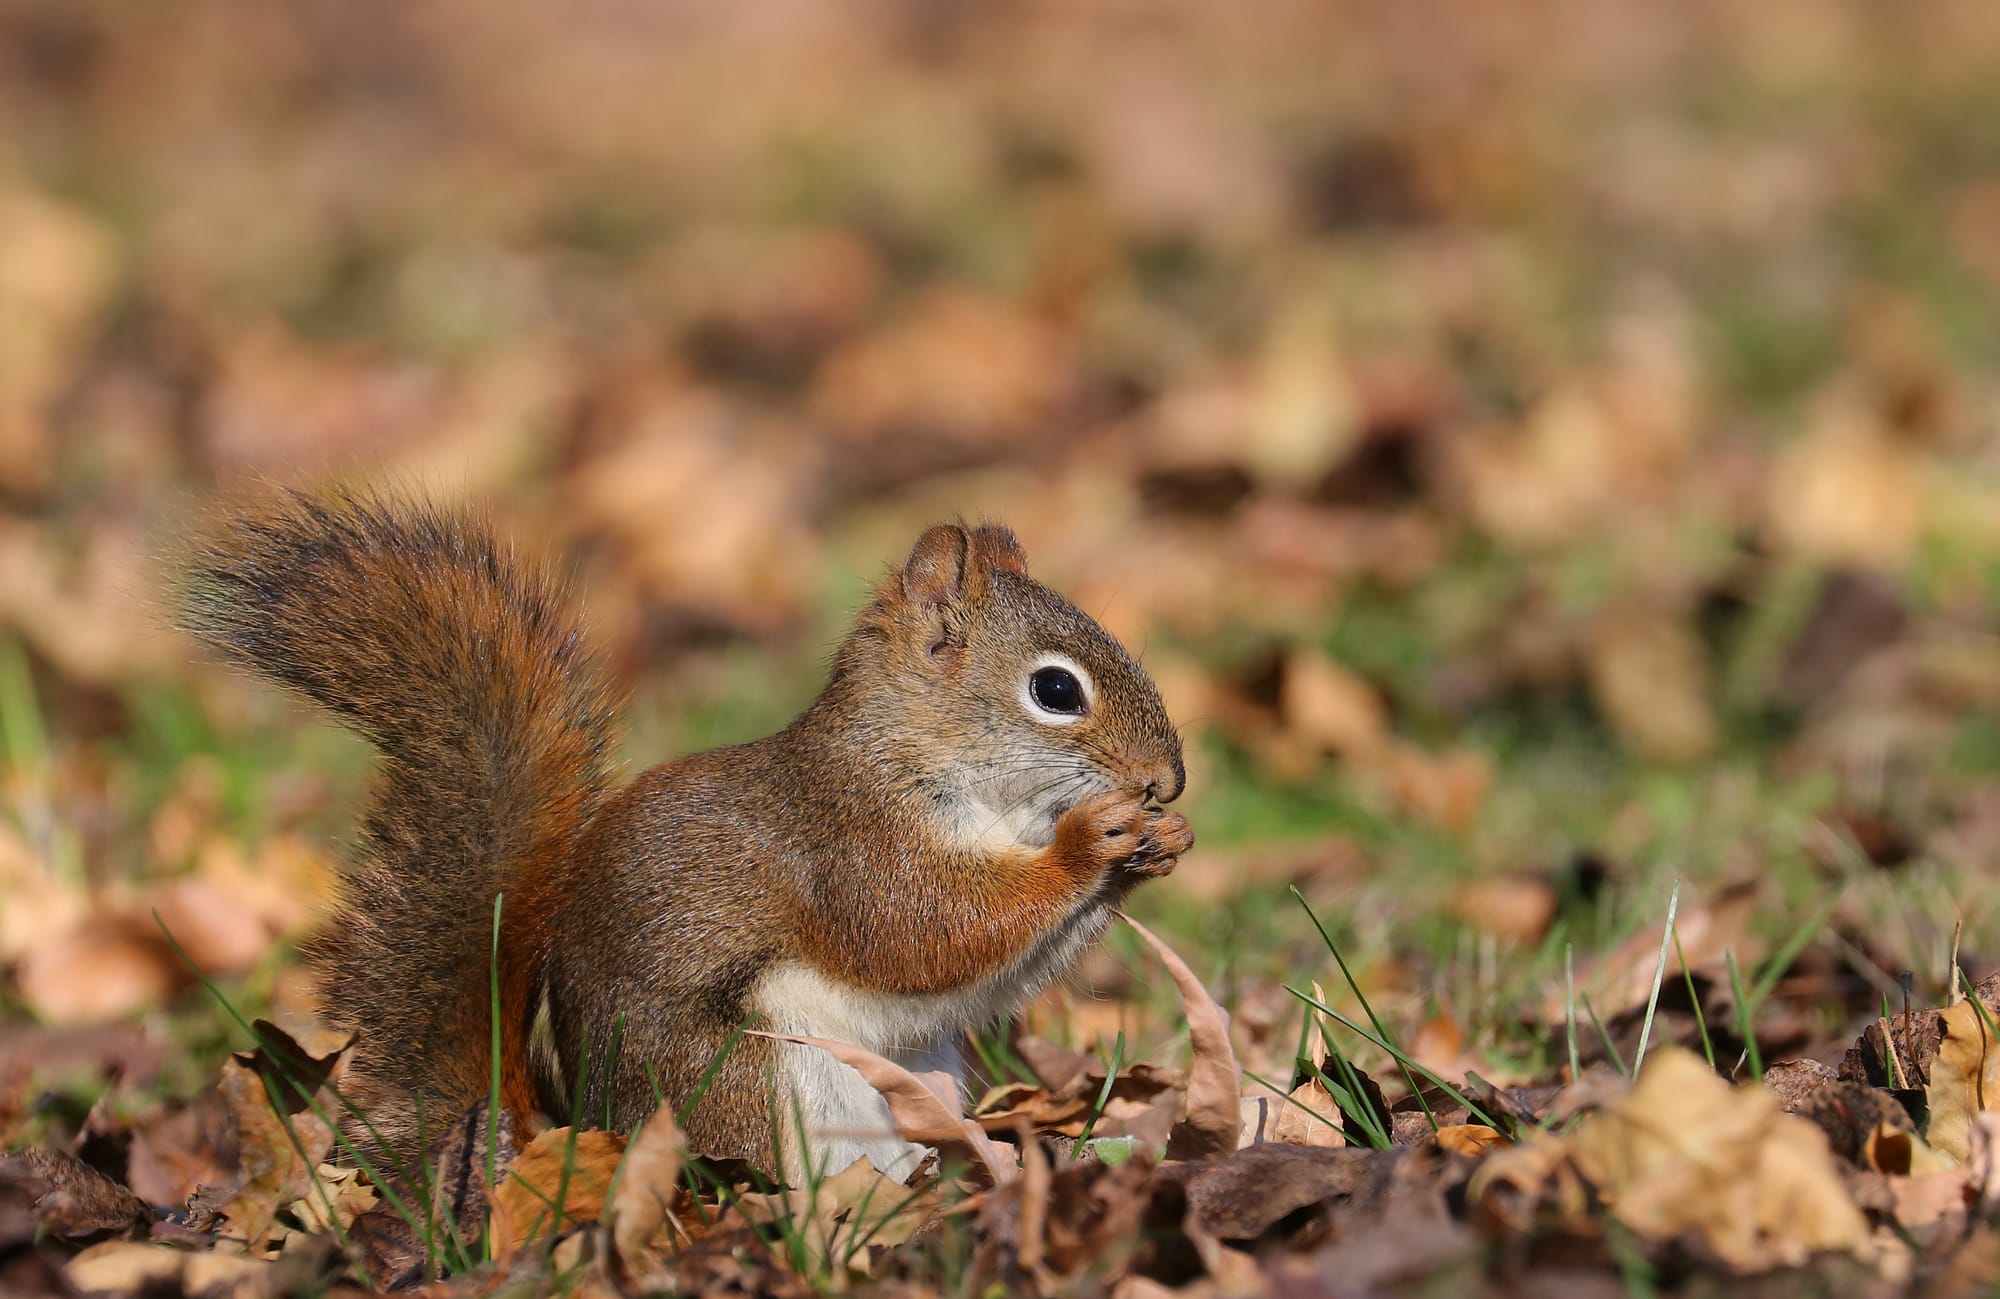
(1214, 1091)
(106, 968)
(1965, 1079)
(840, 1216)
(1473, 1139)
(1623, 977)
(1324, 702)
(130, 1268)
(560, 1180)
(1308, 1117)
(1514, 908)
(1686, 1153)
(1650, 675)
(276, 1097)
(641, 1206)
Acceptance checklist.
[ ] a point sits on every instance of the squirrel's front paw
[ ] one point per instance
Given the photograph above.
(1115, 830)
(1166, 836)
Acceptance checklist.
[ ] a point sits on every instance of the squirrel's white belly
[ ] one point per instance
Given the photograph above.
(843, 1117)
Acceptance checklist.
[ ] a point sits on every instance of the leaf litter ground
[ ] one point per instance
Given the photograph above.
(1879, 1177)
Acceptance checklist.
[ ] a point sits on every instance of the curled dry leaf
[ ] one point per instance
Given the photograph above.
(1214, 1093)
(917, 1111)
(640, 1209)
(347, 1196)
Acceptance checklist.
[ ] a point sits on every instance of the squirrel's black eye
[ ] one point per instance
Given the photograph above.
(1056, 690)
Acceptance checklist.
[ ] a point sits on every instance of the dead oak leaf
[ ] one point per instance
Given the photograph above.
(279, 1099)
(1309, 1117)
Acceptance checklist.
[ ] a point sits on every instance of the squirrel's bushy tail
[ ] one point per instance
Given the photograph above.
(466, 668)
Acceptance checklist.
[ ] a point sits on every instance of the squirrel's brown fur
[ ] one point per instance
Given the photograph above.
(919, 848)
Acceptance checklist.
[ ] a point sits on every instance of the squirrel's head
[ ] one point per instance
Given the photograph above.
(1019, 704)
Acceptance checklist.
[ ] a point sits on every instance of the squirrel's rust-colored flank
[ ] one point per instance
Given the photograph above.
(926, 845)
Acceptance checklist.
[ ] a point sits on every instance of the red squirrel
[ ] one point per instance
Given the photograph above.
(939, 835)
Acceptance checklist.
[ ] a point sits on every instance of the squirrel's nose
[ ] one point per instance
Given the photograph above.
(1167, 785)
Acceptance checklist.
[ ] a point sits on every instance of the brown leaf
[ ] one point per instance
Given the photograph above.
(1850, 1114)
(641, 1206)
(176, 1151)
(279, 1147)
(1686, 1153)
(1330, 705)
(1514, 908)
(1238, 1196)
(1623, 977)
(1848, 492)
(219, 934)
(1794, 1080)
(1309, 1117)
(1650, 676)
(1057, 1066)
(837, 1214)
(1214, 1090)
(560, 1180)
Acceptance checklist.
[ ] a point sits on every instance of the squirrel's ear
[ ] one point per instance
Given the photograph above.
(933, 581)
(935, 584)
(934, 574)
(994, 546)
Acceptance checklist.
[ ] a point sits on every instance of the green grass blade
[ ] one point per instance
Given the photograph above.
(1103, 1096)
(1700, 1018)
(1397, 1054)
(1373, 1018)
(1745, 1014)
(1604, 1036)
(493, 1093)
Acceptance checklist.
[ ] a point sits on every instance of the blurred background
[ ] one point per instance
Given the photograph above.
(1545, 452)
